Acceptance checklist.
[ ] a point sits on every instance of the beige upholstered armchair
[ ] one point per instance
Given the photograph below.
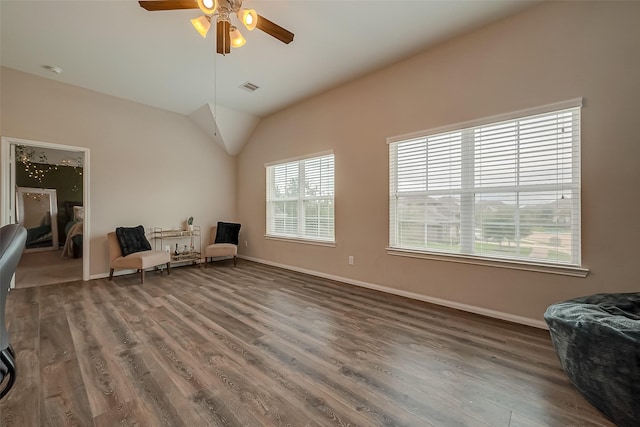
(226, 236)
(137, 260)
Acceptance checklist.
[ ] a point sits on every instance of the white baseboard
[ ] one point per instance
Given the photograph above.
(438, 301)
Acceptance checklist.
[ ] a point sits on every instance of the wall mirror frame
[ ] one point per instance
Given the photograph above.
(37, 211)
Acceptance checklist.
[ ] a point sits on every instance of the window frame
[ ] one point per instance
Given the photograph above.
(573, 269)
(300, 199)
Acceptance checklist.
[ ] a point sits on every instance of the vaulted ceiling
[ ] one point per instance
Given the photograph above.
(158, 59)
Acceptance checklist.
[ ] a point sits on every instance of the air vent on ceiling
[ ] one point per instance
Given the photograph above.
(249, 87)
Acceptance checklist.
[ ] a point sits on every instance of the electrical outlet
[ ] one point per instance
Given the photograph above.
(351, 260)
(246, 244)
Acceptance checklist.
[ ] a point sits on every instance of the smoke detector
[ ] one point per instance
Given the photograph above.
(52, 68)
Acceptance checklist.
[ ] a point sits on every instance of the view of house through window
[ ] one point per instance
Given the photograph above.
(507, 189)
(300, 201)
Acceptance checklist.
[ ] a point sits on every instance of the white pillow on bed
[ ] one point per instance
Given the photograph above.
(78, 213)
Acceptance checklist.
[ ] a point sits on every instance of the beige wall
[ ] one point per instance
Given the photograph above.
(147, 166)
(553, 52)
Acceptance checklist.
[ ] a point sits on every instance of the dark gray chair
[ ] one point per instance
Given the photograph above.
(12, 242)
(597, 339)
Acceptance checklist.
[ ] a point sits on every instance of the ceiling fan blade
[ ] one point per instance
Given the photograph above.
(275, 30)
(153, 5)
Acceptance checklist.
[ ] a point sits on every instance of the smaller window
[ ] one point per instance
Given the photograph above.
(300, 200)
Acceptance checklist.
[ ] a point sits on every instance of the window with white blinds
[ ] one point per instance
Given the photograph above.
(300, 199)
(507, 189)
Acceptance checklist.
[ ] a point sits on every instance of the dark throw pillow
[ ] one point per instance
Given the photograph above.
(132, 240)
(227, 232)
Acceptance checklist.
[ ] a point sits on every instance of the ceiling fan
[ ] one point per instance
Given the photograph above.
(227, 35)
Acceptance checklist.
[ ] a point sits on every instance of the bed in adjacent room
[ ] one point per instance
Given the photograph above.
(73, 230)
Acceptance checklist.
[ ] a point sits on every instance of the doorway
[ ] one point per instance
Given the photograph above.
(45, 187)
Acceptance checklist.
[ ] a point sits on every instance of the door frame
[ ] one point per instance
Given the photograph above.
(8, 189)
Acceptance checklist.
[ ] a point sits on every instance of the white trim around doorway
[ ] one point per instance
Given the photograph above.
(7, 191)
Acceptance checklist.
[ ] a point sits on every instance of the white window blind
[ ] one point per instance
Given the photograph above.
(506, 189)
(300, 199)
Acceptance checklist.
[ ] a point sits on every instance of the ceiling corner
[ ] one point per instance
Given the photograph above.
(229, 128)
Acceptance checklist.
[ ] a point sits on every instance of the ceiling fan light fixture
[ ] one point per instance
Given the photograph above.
(248, 17)
(222, 9)
(208, 7)
(202, 25)
(237, 40)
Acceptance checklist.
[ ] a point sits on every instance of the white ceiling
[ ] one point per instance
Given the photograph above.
(157, 58)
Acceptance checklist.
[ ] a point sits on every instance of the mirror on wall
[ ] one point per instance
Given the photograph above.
(37, 211)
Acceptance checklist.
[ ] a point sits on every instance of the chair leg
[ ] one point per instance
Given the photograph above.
(9, 363)
(142, 276)
(111, 274)
(168, 268)
(234, 260)
(12, 352)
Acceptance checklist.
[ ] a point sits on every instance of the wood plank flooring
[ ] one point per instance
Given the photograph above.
(46, 268)
(260, 346)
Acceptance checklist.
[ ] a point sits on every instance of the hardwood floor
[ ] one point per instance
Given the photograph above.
(259, 346)
(46, 268)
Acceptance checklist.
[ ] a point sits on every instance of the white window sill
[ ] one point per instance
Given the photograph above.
(300, 240)
(566, 270)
